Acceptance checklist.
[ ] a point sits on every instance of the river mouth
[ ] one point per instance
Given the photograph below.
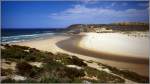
(139, 65)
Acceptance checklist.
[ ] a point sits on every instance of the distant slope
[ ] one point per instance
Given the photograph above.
(124, 26)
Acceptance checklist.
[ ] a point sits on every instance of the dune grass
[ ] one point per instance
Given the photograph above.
(54, 69)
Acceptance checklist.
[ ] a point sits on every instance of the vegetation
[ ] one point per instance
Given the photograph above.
(121, 26)
(5, 72)
(54, 68)
(127, 74)
(130, 23)
(102, 76)
(25, 69)
(16, 52)
(66, 59)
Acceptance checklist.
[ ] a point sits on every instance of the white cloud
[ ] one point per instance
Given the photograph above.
(80, 12)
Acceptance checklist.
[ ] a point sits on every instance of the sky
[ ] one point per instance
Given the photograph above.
(61, 14)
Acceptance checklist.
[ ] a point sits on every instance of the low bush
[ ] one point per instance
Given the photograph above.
(103, 77)
(20, 47)
(25, 69)
(15, 52)
(75, 60)
(5, 72)
(129, 75)
(8, 80)
(12, 53)
(55, 79)
(74, 73)
(66, 59)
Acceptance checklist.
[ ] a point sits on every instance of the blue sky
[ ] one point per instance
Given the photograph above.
(60, 14)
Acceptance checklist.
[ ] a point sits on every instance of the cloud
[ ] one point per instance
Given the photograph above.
(84, 14)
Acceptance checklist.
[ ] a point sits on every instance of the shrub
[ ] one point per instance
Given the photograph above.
(77, 61)
(61, 56)
(24, 68)
(13, 53)
(103, 77)
(28, 70)
(30, 58)
(53, 67)
(55, 79)
(73, 72)
(8, 80)
(128, 74)
(20, 47)
(5, 72)
(6, 46)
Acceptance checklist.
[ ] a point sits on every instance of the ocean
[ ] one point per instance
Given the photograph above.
(18, 35)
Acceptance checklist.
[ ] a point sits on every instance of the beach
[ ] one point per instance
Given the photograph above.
(117, 44)
(73, 45)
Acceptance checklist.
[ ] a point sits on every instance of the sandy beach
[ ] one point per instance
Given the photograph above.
(117, 44)
(72, 45)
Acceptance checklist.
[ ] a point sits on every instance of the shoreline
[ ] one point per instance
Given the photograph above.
(116, 44)
(69, 44)
(122, 62)
(77, 49)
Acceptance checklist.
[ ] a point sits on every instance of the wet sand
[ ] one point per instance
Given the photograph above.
(138, 65)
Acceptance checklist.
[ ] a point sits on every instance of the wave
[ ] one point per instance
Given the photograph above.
(18, 38)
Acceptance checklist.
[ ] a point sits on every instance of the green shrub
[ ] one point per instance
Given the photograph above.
(20, 47)
(28, 70)
(27, 81)
(66, 59)
(55, 79)
(61, 56)
(103, 77)
(129, 75)
(60, 72)
(74, 73)
(6, 45)
(75, 60)
(8, 80)
(13, 53)
(5, 72)
(24, 68)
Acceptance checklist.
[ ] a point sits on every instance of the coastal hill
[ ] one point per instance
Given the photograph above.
(123, 26)
(22, 64)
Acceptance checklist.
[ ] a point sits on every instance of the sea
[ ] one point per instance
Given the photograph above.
(18, 35)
